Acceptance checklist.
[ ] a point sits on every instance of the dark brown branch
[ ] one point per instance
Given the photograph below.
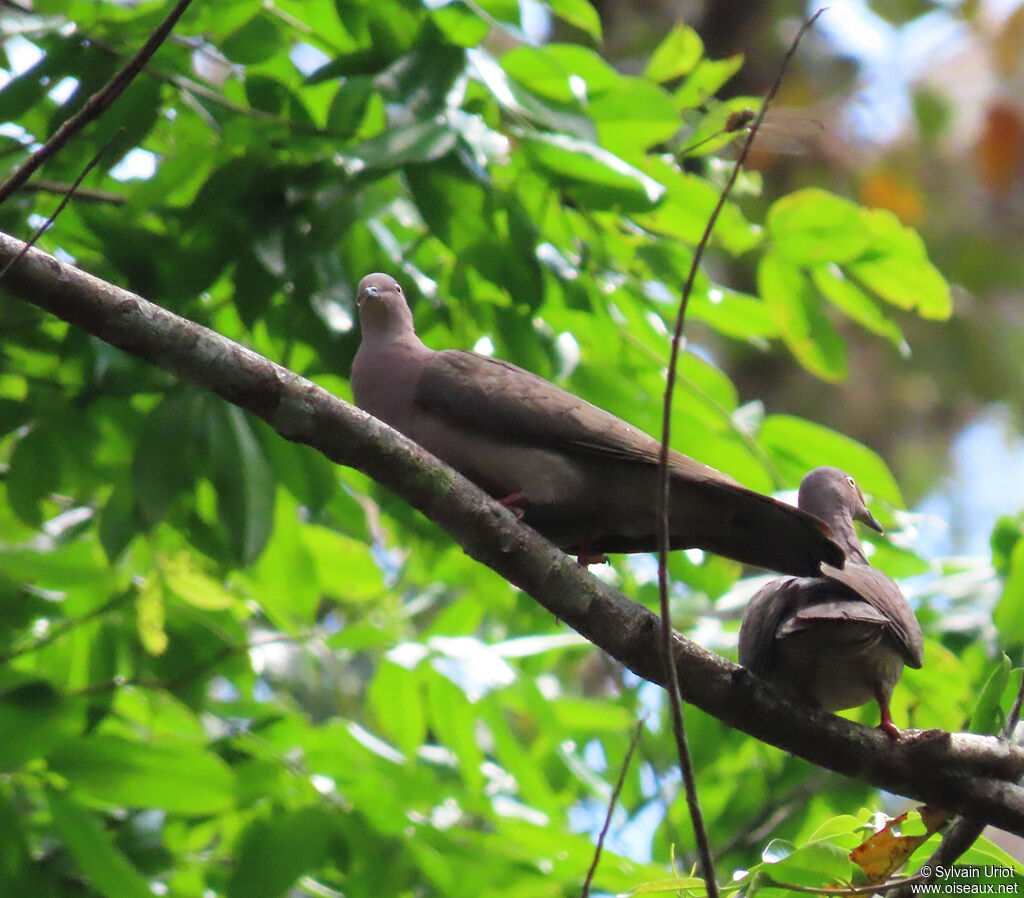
(963, 772)
(96, 105)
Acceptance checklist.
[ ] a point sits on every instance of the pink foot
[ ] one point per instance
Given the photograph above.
(887, 726)
(513, 502)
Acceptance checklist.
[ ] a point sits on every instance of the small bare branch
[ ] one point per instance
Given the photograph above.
(96, 105)
(611, 808)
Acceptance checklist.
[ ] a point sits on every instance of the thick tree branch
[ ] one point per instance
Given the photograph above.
(962, 772)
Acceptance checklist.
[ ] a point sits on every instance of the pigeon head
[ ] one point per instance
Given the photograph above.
(830, 493)
(382, 305)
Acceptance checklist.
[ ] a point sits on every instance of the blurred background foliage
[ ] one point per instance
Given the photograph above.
(230, 667)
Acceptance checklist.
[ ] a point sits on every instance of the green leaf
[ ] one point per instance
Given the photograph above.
(119, 522)
(812, 226)
(797, 446)
(895, 265)
(180, 779)
(348, 107)
(565, 73)
(255, 41)
(19, 875)
(28, 89)
(452, 203)
(418, 142)
(158, 476)
(453, 720)
(676, 55)
(677, 885)
(1008, 615)
(284, 577)
(188, 583)
(397, 704)
(244, 480)
(378, 35)
(579, 13)
(816, 864)
(275, 98)
(13, 414)
(847, 296)
(128, 121)
(605, 180)
(987, 712)
(33, 718)
(346, 567)
(103, 664)
(797, 313)
(150, 612)
(986, 853)
(93, 851)
(634, 118)
(705, 80)
(460, 23)
(1007, 532)
(685, 210)
(276, 851)
(734, 314)
(34, 473)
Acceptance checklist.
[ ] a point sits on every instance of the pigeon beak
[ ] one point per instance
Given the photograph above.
(866, 517)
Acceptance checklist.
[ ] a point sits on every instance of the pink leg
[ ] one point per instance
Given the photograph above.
(887, 726)
(513, 502)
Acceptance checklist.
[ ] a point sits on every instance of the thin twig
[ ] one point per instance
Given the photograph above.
(685, 765)
(188, 86)
(60, 206)
(853, 890)
(775, 811)
(66, 627)
(89, 194)
(751, 444)
(611, 807)
(197, 670)
(96, 105)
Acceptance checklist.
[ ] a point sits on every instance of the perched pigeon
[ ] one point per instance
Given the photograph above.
(840, 639)
(579, 475)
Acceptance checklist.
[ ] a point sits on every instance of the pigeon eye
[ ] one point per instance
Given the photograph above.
(851, 481)
(373, 291)
(398, 288)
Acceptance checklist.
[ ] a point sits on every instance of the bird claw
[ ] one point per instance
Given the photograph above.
(891, 730)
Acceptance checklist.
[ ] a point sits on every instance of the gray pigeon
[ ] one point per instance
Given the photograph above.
(841, 639)
(580, 476)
